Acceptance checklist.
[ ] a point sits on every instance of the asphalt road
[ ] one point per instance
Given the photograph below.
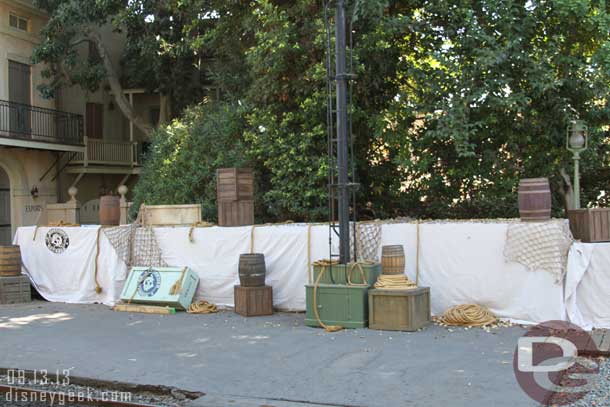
(274, 361)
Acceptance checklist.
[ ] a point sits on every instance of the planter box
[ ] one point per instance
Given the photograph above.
(338, 274)
(399, 310)
(235, 213)
(15, 290)
(590, 225)
(171, 215)
(253, 301)
(153, 286)
(234, 184)
(342, 305)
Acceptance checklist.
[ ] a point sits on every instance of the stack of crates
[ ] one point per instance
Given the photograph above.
(341, 296)
(15, 290)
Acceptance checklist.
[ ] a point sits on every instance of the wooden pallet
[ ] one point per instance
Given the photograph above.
(598, 345)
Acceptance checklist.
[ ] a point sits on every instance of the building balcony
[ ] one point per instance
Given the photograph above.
(28, 126)
(107, 156)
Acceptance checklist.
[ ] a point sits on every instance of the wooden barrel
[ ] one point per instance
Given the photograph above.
(392, 259)
(534, 199)
(10, 261)
(110, 210)
(252, 270)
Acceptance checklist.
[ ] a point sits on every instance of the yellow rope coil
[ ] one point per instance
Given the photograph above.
(328, 328)
(468, 315)
(202, 307)
(394, 281)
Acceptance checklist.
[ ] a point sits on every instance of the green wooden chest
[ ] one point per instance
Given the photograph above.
(167, 286)
(342, 305)
(339, 273)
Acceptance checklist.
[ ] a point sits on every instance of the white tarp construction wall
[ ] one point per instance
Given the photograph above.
(462, 262)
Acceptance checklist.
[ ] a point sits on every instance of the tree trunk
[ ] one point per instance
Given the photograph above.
(566, 190)
(116, 88)
(165, 108)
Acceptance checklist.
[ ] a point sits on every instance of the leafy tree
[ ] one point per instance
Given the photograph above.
(158, 49)
(455, 100)
(486, 91)
(181, 165)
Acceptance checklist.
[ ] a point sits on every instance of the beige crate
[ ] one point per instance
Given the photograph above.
(590, 225)
(399, 310)
(171, 215)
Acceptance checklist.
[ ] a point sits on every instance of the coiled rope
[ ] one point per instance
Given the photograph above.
(468, 315)
(327, 328)
(394, 281)
(202, 307)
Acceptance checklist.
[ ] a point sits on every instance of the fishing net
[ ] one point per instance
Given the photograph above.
(135, 245)
(540, 246)
(368, 241)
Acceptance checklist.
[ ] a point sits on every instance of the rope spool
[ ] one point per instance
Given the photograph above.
(394, 281)
(202, 307)
(469, 315)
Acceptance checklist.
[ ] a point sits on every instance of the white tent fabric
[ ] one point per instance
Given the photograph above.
(69, 275)
(587, 289)
(462, 262)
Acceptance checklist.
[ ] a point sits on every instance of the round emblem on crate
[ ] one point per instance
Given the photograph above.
(150, 281)
(57, 240)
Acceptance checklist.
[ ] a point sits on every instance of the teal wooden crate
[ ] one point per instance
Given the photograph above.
(338, 273)
(167, 286)
(342, 305)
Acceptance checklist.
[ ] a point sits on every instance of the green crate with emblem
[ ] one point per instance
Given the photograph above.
(166, 286)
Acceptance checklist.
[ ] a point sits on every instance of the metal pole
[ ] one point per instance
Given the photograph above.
(342, 142)
(576, 180)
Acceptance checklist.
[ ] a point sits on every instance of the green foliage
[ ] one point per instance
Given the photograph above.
(181, 166)
(455, 100)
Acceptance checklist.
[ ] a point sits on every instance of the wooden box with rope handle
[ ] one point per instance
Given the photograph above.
(167, 286)
(399, 309)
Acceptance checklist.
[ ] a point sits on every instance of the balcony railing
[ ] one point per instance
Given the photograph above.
(106, 152)
(31, 123)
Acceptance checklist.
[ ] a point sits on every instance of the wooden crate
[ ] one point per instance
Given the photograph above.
(342, 305)
(168, 286)
(235, 213)
(253, 301)
(399, 310)
(234, 184)
(15, 290)
(590, 225)
(171, 215)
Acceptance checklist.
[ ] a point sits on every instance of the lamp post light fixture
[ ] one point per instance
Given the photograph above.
(577, 142)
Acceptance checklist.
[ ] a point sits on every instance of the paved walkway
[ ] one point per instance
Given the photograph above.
(258, 361)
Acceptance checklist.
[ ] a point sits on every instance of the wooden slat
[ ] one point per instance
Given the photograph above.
(146, 309)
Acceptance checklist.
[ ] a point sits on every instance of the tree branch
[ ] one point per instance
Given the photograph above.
(115, 86)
